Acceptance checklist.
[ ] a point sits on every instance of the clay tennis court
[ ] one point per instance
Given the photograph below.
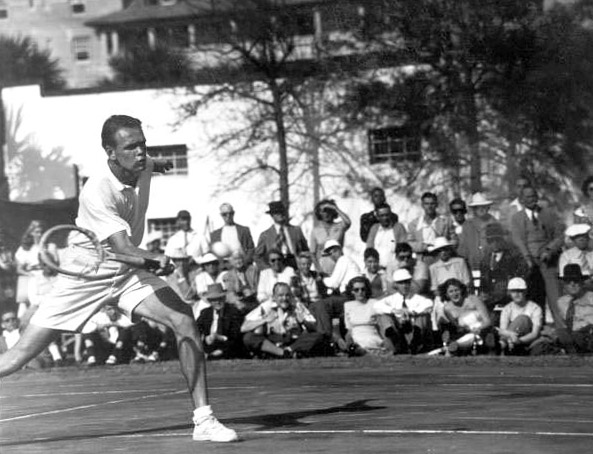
(369, 404)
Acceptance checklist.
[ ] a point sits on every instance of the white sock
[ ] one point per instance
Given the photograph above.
(202, 412)
(54, 351)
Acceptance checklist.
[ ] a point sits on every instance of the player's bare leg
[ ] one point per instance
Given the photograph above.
(166, 307)
(32, 342)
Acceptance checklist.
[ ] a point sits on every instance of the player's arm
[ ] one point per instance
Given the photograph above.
(121, 244)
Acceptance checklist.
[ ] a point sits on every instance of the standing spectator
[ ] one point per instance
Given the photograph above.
(385, 235)
(374, 273)
(580, 253)
(458, 211)
(282, 327)
(575, 330)
(413, 329)
(27, 263)
(326, 228)
(367, 220)
(539, 235)
(242, 281)
(179, 243)
(508, 210)
(7, 274)
(307, 284)
(220, 326)
(424, 230)
(277, 272)
(501, 262)
(472, 240)
(447, 265)
(404, 258)
(584, 213)
(520, 321)
(286, 238)
(236, 237)
(107, 337)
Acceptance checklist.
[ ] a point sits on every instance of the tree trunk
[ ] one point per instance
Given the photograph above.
(4, 189)
(281, 139)
(473, 139)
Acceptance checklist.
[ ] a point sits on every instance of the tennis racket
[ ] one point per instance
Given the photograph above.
(85, 261)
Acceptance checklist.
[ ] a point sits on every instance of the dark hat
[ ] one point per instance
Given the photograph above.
(572, 272)
(276, 208)
(494, 230)
(183, 214)
(214, 291)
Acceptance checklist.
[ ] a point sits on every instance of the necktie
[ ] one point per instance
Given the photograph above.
(570, 316)
(214, 327)
(281, 240)
(584, 264)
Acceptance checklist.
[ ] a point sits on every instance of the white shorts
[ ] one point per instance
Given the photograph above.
(73, 301)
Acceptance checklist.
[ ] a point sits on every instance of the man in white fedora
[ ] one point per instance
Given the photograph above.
(472, 240)
(580, 253)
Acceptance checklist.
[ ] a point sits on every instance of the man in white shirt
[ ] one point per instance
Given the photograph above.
(236, 237)
(344, 270)
(580, 254)
(277, 272)
(178, 244)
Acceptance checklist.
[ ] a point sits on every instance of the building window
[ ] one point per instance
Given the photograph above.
(392, 144)
(167, 226)
(3, 9)
(177, 154)
(78, 6)
(81, 48)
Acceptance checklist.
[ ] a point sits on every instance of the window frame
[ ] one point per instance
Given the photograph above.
(176, 153)
(399, 143)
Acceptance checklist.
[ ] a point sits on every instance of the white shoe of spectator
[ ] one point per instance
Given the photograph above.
(153, 357)
(208, 428)
(91, 361)
(111, 361)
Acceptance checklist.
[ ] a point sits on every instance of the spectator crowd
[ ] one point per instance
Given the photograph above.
(457, 280)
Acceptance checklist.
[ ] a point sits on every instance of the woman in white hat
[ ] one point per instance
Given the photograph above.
(520, 320)
(447, 266)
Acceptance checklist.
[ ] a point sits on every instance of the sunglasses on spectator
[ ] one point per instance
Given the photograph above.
(275, 259)
(458, 210)
(404, 256)
(8, 319)
(358, 289)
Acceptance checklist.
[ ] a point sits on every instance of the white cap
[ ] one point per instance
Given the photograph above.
(175, 253)
(478, 199)
(330, 244)
(577, 229)
(401, 274)
(517, 283)
(439, 243)
(209, 257)
(153, 236)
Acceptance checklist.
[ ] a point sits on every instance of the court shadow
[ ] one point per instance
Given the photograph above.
(264, 422)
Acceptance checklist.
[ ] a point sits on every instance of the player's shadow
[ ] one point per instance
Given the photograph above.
(267, 421)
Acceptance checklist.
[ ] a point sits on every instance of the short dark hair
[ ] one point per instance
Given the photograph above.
(377, 188)
(403, 247)
(429, 195)
(457, 201)
(277, 285)
(114, 124)
(368, 291)
(382, 206)
(321, 203)
(274, 251)
(449, 282)
(586, 185)
(371, 252)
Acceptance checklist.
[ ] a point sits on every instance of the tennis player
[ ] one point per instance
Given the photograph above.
(113, 205)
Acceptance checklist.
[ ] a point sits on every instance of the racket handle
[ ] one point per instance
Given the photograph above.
(139, 262)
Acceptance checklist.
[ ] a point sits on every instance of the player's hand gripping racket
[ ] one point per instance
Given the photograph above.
(86, 264)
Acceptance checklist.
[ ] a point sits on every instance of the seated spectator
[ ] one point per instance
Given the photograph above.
(404, 258)
(447, 266)
(424, 230)
(326, 228)
(413, 329)
(345, 268)
(277, 272)
(107, 336)
(153, 342)
(464, 318)
(361, 317)
(178, 279)
(220, 326)
(385, 235)
(576, 309)
(374, 273)
(580, 253)
(11, 333)
(520, 321)
(242, 280)
(8, 274)
(501, 262)
(367, 220)
(211, 273)
(472, 240)
(307, 285)
(282, 327)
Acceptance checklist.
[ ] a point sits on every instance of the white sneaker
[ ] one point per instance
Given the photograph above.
(111, 361)
(91, 361)
(210, 429)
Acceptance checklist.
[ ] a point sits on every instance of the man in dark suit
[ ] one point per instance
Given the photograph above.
(539, 235)
(220, 326)
(288, 239)
(236, 237)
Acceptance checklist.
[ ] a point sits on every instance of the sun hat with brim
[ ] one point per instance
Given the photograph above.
(214, 291)
(329, 244)
(577, 230)
(517, 283)
(439, 243)
(401, 275)
(479, 200)
(209, 257)
(572, 272)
